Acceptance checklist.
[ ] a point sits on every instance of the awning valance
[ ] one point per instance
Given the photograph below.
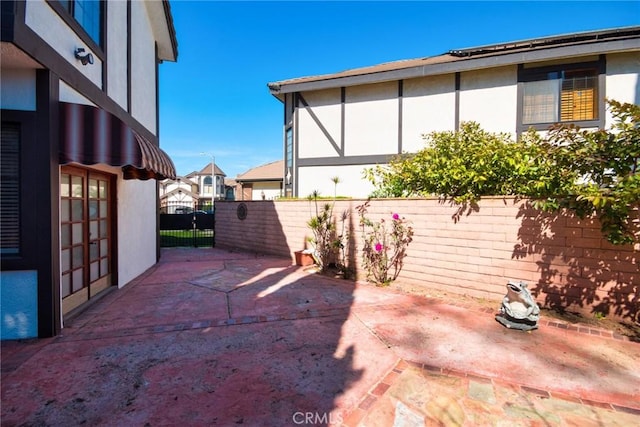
(90, 135)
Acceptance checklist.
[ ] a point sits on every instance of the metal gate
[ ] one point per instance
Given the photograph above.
(187, 225)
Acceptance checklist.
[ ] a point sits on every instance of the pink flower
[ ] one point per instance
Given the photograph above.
(378, 247)
(396, 216)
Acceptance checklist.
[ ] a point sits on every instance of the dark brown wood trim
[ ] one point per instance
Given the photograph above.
(296, 141)
(157, 74)
(602, 90)
(129, 56)
(400, 95)
(105, 46)
(346, 160)
(46, 193)
(456, 120)
(343, 112)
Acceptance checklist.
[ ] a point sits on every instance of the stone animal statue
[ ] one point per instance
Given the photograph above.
(519, 310)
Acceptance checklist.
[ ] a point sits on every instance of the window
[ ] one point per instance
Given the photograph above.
(557, 95)
(10, 189)
(88, 14)
(207, 187)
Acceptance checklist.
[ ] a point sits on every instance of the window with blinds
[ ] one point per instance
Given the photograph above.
(10, 189)
(560, 96)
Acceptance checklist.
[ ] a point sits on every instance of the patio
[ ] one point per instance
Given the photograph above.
(212, 337)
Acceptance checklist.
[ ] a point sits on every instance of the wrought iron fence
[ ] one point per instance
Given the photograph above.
(187, 224)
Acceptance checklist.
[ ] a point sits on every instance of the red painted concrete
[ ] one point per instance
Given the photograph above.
(210, 337)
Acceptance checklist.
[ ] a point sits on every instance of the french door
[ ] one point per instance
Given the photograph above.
(86, 235)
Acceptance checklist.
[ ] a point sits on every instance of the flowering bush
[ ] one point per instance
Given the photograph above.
(384, 249)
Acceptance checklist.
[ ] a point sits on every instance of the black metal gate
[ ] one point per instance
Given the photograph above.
(187, 225)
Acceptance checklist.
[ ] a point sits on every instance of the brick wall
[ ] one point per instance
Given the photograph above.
(474, 251)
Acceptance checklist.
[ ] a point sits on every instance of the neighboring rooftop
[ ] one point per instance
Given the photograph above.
(623, 38)
(207, 171)
(267, 172)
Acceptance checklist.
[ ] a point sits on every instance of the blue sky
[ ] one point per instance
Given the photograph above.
(215, 99)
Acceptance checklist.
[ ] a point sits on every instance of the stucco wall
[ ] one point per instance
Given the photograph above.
(371, 119)
(318, 178)
(143, 67)
(623, 83)
(117, 52)
(324, 106)
(69, 94)
(45, 22)
(18, 89)
(271, 190)
(489, 97)
(428, 105)
(565, 260)
(136, 228)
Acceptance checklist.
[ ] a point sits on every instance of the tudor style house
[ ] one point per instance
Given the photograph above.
(80, 153)
(339, 124)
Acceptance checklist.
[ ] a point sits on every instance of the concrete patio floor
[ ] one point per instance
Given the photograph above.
(212, 337)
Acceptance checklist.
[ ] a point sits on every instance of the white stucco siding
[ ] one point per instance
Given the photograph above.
(326, 107)
(117, 52)
(271, 190)
(428, 105)
(18, 89)
(623, 82)
(143, 67)
(318, 178)
(490, 97)
(68, 94)
(45, 22)
(371, 119)
(136, 228)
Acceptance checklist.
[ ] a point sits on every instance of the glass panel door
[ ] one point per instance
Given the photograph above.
(85, 235)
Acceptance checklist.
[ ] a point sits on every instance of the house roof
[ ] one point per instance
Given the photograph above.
(178, 179)
(456, 60)
(207, 171)
(273, 171)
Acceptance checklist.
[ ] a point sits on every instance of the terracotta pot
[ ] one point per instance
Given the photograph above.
(304, 258)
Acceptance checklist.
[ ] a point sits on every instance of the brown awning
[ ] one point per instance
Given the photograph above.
(90, 135)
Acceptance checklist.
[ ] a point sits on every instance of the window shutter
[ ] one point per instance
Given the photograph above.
(10, 189)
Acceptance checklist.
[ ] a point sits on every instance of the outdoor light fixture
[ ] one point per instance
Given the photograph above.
(85, 58)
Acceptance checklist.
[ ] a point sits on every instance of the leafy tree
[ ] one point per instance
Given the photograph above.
(589, 172)
(606, 164)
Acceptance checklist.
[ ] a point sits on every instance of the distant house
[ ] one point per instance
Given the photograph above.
(204, 178)
(339, 124)
(261, 183)
(178, 193)
(80, 153)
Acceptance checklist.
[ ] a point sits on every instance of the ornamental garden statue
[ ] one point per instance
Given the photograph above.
(519, 310)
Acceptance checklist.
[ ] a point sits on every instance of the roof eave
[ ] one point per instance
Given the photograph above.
(278, 89)
(164, 31)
